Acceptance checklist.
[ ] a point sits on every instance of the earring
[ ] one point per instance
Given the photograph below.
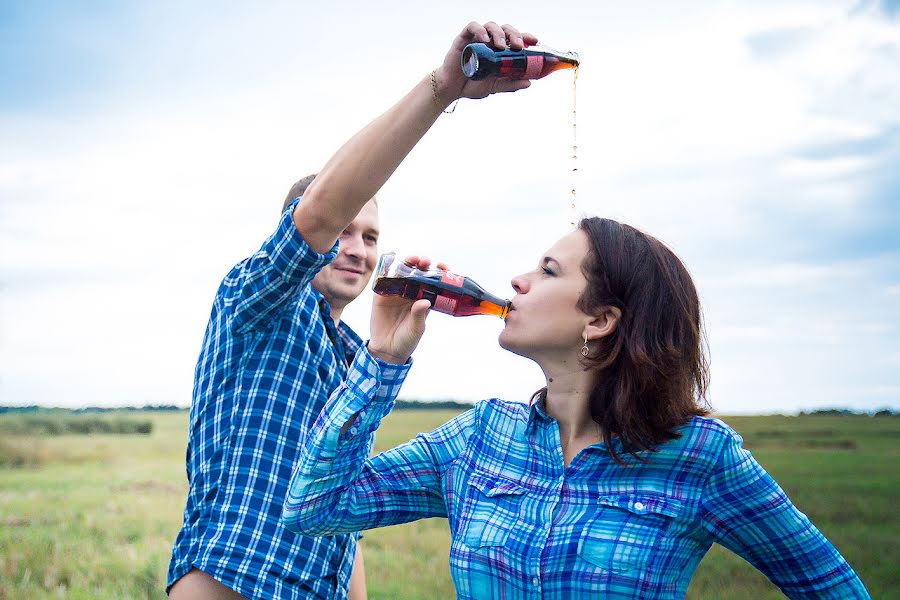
(584, 348)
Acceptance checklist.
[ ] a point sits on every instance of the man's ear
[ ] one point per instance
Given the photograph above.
(604, 324)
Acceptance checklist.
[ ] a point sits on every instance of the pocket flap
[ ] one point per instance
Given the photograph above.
(494, 485)
(643, 504)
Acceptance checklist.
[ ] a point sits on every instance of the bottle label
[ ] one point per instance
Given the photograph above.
(445, 304)
(534, 65)
(452, 279)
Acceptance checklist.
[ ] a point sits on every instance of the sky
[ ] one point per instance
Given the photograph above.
(145, 148)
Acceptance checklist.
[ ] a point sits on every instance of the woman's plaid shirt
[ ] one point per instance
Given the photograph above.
(270, 358)
(525, 526)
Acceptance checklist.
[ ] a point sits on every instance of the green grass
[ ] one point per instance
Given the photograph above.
(94, 516)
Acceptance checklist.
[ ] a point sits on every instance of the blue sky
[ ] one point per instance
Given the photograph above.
(145, 148)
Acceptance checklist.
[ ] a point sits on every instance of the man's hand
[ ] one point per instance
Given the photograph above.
(452, 84)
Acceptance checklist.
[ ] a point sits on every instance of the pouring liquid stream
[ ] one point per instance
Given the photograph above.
(573, 210)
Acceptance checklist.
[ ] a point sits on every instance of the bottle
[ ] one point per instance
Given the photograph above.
(480, 60)
(448, 292)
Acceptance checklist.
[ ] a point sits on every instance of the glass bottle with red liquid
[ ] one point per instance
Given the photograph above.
(448, 292)
(479, 61)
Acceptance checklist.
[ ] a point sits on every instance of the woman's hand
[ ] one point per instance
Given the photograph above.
(450, 81)
(399, 323)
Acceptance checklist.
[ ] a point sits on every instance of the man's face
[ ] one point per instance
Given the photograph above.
(347, 276)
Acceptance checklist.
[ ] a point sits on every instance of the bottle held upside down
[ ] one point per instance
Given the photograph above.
(479, 61)
(448, 292)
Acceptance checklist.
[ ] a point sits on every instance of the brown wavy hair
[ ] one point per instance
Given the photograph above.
(652, 372)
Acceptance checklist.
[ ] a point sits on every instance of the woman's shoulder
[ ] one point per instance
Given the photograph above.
(706, 435)
(710, 426)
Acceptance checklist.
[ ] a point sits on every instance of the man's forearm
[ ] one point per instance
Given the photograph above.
(362, 165)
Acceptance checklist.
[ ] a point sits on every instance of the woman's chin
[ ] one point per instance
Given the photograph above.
(510, 345)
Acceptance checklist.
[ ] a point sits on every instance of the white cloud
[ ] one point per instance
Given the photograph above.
(822, 168)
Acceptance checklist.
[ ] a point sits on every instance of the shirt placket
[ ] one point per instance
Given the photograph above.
(548, 437)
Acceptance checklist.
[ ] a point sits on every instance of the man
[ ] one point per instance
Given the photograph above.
(274, 350)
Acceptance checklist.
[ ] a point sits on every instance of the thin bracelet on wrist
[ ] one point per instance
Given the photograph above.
(434, 95)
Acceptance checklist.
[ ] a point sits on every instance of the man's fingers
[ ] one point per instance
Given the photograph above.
(477, 32)
(511, 85)
(513, 37)
(498, 36)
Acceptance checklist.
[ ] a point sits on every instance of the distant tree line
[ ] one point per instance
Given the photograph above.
(433, 404)
(33, 408)
(400, 405)
(846, 412)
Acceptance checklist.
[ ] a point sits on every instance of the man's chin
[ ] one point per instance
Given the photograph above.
(342, 295)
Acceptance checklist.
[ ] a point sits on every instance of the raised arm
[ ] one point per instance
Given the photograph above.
(363, 164)
(336, 489)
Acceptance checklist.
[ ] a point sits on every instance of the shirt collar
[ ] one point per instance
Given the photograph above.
(351, 340)
(536, 415)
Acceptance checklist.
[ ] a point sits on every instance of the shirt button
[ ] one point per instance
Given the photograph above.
(362, 414)
(536, 581)
(354, 430)
(638, 506)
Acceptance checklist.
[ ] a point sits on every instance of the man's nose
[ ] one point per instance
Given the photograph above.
(354, 246)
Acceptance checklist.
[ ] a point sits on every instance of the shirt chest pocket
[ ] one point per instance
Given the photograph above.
(627, 531)
(490, 511)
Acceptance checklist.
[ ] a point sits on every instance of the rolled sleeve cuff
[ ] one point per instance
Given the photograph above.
(373, 386)
(290, 254)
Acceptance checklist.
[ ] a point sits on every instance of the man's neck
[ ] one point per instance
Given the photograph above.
(336, 314)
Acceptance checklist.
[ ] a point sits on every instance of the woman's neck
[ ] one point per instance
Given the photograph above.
(568, 395)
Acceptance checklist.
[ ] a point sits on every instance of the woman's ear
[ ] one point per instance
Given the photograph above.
(604, 324)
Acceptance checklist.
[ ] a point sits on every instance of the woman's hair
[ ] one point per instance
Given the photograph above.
(651, 372)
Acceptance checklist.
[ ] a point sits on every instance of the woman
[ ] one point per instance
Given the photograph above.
(611, 483)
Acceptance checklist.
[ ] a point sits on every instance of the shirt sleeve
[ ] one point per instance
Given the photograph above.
(746, 511)
(337, 489)
(263, 284)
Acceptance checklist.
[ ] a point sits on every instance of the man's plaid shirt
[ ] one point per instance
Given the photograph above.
(270, 358)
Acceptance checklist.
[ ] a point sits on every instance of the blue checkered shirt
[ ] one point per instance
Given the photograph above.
(270, 358)
(525, 526)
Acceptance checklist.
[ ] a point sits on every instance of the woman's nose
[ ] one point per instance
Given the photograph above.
(519, 284)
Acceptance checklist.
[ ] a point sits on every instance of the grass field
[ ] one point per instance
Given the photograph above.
(94, 516)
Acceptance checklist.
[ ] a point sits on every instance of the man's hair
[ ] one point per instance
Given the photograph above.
(298, 189)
